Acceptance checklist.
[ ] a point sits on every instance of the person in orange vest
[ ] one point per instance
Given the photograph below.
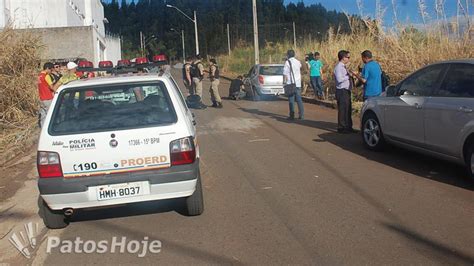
(45, 91)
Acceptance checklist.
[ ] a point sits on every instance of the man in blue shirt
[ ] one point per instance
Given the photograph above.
(316, 73)
(371, 76)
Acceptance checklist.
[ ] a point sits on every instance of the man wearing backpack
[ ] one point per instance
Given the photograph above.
(197, 73)
(187, 80)
(371, 76)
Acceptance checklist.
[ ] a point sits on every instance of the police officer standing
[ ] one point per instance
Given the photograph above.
(214, 78)
(197, 73)
(187, 80)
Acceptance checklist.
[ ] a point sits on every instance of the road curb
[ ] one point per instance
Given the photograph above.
(328, 104)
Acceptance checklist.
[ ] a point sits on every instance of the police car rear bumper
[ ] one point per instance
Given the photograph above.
(78, 193)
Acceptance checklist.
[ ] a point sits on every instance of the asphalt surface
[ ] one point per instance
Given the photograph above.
(280, 192)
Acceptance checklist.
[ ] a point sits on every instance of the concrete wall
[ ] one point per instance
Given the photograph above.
(67, 42)
(78, 42)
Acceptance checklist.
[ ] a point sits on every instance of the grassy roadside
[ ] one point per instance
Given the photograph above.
(19, 61)
(399, 52)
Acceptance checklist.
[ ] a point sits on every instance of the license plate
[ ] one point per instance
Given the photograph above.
(123, 190)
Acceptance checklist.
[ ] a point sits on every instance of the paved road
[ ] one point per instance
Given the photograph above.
(296, 193)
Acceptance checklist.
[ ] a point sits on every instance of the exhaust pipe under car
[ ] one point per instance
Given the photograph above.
(69, 212)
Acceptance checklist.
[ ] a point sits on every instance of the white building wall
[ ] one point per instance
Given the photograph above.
(94, 15)
(32, 14)
(113, 52)
(52, 13)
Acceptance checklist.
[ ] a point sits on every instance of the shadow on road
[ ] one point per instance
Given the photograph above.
(442, 253)
(404, 160)
(173, 246)
(133, 209)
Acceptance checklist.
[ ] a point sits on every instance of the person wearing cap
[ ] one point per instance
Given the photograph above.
(45, 91)
(214, 77)
(67, 77)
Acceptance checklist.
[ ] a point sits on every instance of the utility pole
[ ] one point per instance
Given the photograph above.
(255, 31)
(184, 47)
(228, 38)
(141, 43)
(294, 36)
(196, 32)
(195, 25)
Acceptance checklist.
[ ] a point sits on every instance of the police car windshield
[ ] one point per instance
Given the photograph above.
(103, 108)
(271, 70)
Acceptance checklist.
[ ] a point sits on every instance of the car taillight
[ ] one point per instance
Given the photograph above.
(49, 165)
(182, 151)
(260, 80)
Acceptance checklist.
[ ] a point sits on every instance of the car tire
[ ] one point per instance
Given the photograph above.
(195, 202)
(371, 132)
(52, 219)
(470, 161)
(255, 96)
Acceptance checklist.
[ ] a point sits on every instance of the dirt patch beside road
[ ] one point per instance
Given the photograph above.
(15, 172)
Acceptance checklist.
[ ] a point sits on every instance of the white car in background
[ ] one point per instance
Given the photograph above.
(117, 140)
(264, 80)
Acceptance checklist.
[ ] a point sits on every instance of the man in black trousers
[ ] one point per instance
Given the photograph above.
(343, 93)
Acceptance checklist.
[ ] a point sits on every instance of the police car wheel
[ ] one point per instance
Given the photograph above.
(51, 218)
(372, 134)
(195, 202)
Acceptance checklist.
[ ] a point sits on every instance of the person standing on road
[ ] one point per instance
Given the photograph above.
(343, 93)
(187, 80)
(316, 70)
(292, 75)
(197, 73)
(214, 78)
(371, 76)
(67, 77)
(45, 91)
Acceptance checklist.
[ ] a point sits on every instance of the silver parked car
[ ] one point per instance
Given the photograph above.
(430, 111)
(264, 80)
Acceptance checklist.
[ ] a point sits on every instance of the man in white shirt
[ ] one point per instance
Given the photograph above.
(292, 75)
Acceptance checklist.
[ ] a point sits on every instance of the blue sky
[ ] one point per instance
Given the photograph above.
(408, 11)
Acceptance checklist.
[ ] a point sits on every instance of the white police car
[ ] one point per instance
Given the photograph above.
(117, 140)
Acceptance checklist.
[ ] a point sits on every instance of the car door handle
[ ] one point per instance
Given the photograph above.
(194, 122)
(418, 106)
(465, 109)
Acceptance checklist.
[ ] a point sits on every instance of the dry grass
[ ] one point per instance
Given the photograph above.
(399, 52)
(19, 61)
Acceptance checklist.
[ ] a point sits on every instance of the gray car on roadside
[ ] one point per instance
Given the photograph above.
(431, 111)
(264, 80)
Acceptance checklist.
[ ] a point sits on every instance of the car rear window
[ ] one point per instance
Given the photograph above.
(271, 70)
(115, 107)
